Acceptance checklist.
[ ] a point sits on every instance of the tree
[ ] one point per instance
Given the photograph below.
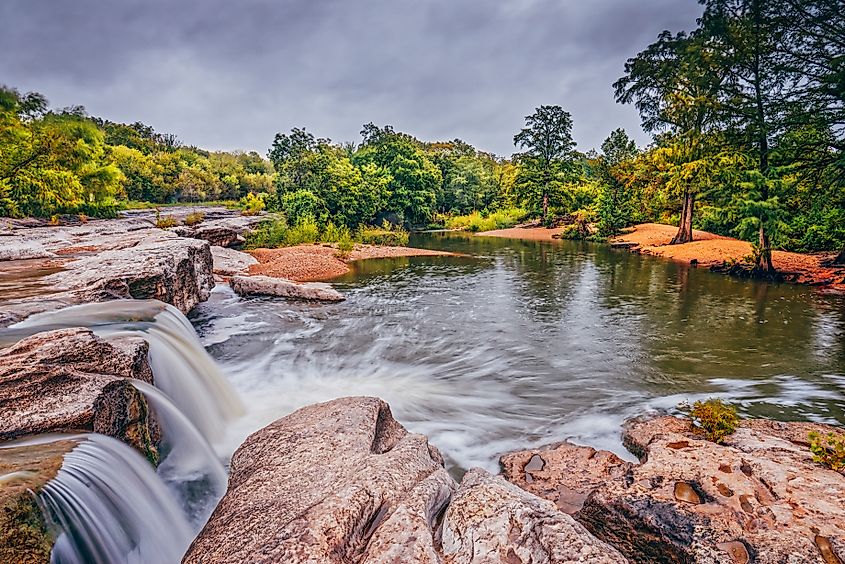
(614, 200)
(549, 148)
(674, 83)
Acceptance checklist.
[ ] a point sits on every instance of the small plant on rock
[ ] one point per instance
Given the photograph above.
(194, 218)
(714, 418)
(828, 450)
(165, 221)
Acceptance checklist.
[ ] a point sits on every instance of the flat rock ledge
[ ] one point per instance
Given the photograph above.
(759, 497)
(344, 482)
(106, 260)
(70, 380)
(279, 287)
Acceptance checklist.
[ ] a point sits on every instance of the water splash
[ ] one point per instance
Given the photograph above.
(181, 366)
(110, 506)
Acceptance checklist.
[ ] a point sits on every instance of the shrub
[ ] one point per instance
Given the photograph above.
(194, 218)
(829, 451)
(251, 204)
(333, 233)
(305, 231)
(714, 418)
(301, 204)
(268, 234)
(345, 246)
(387, 235)
(579, 228)
(477, 221)
(163, 222)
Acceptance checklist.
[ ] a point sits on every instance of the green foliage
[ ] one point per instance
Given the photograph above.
(268, 234)
(194, 218)
(715, 419)
(578, 227)
(477, 221)
(829, 451)
(301, 204)
(387, 235)
(252, 204)
(304, 231)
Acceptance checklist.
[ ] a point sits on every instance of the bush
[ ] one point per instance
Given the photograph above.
(579, 227)
(333, 233)
(476, 221)
(830, 451)
(345, 246)
(251, 204)
(268, 234)
(387, 235)
(714, 418)
(163, 222)
(305, 231)
(300, 205)
(194, 218)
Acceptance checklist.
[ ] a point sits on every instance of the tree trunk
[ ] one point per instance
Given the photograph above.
(840, 258)
(764, 258)
(545, 205)
(684, 234)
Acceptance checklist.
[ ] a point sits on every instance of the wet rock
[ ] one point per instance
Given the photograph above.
(279, 287)
(563, 473)
(24, 535)
(343, 481)
(491, 520)
(340, 481)
(759, 497)
(228, 262)
(71, 380)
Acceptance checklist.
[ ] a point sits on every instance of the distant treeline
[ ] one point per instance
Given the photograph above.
(747, 113)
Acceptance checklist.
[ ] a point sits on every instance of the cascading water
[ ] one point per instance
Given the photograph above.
(181, 366)
(110, 506)
(190, 465)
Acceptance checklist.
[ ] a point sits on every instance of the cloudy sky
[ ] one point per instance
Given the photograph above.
(228, 74)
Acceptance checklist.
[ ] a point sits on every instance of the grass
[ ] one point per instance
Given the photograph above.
(277, 233)
(194, 218)
(165, 221)
(828, 451)
(477, 221)
(136, 205)
(386, 235)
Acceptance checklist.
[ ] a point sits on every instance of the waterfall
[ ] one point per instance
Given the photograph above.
(190, 466)
(110, 506)
(181, 366)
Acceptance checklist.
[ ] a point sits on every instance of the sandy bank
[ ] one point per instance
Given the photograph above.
(528, 233)
(311, 263)
(708, 250)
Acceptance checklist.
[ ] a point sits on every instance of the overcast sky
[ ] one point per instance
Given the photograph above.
(228, 74)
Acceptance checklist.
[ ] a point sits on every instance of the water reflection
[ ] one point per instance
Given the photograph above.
(525, 342)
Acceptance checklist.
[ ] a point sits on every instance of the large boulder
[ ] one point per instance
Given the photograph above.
(279, 287)
(70, 380)
(759, 497)
(228, 262)
(343, 481)
(491, 520)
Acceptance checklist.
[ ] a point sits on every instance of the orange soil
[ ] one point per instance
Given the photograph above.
(311, 263)
(530, 233)
(709, 249)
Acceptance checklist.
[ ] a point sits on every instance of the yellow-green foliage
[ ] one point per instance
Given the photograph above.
(829, 450)
(251, 204)
(386, 235)
(306, 231)
(165, 221)
(714, 418)
(268, 235)
(345, 246)
(476, 221)
(194, 218)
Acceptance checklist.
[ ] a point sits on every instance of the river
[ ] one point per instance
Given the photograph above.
(521, 343)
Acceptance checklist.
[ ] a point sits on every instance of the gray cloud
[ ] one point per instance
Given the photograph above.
(228, 75)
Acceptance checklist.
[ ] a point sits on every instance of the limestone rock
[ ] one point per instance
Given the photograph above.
(71, 380)
(757, 498)
(22, 250)
(563, 473)
(228, 262)
(340, 481)
(268, 286)
(491, 520)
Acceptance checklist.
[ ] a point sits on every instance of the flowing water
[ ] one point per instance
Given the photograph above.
(521, 343)
(110, 506)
